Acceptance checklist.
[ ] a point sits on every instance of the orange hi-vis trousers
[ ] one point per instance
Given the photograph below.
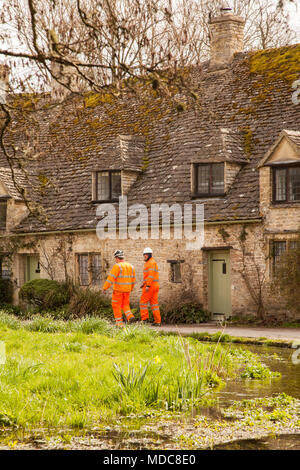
(120, 301)
(150, 297)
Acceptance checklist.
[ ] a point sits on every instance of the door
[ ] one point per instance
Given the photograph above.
(32, 268)
(219, 289)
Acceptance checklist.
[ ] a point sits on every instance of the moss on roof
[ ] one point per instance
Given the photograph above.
(281, 63)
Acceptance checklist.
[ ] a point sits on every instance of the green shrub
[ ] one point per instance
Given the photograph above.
(87, 302)
(11, 309)
(6, 291)
(45, 294)
(186, 313)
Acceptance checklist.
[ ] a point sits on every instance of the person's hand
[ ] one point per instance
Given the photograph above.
(142, 286)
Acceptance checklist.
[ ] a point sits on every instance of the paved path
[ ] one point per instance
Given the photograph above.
(289, 334)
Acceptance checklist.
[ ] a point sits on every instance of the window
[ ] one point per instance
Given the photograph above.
(175, 270)
(286, 184)
(108, 185)
(89, 269)
(209, 179)
(279, 247)
(5, 271)
(3, 211)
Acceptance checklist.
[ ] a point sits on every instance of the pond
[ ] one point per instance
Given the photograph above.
(277, 359)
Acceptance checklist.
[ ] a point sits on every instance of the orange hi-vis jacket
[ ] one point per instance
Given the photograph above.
(151, 276)
(121, 277)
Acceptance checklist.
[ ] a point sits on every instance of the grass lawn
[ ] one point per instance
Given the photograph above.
(84, 374)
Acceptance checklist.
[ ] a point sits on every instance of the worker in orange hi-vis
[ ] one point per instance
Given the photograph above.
(150, 288)
(122, 278)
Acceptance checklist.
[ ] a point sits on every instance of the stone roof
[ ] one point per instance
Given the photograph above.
(7, 179)
(294, 136)
(240, 112)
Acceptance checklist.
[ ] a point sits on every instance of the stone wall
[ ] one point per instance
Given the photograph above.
(249, 261)
(194, 269)
(16, 211)
(128, 178)
(231, 170)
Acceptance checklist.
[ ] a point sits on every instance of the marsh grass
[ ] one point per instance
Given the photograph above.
(83, 373)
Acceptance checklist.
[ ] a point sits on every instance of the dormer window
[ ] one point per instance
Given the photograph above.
(286, 184)
(208, 179)
(108, 185)
(3, 212)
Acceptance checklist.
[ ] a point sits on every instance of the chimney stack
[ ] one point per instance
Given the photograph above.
(226, 36)
(4, 82)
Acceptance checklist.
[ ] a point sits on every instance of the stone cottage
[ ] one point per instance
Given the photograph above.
(236, 150)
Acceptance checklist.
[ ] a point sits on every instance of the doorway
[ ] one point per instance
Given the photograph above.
(219, 283)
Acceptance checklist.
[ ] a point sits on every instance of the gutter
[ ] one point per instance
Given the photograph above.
(87, 230)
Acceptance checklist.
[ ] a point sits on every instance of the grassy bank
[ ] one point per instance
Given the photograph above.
(84, 374)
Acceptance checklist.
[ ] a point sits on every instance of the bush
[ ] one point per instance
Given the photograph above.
(6, 291)
(186, 313)
(45, 294)
(87, 302)
(11, 309)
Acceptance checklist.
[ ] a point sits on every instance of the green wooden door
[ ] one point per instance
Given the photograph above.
(32, 268)
(220, 283)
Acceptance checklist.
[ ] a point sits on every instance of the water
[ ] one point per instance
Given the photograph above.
(277, 359)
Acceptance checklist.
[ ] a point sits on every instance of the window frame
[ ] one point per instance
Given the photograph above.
(196, 182)
(3, 201)
(90, 271)
(110, 172)
(5, 259)
(287, 199)
(172, 265)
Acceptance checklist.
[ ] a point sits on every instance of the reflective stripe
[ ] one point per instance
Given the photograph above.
(150, 277)
(127, 311)
(155, 308)
(107, 280)
(124, 283)
(155, 305)
(115, 301)
(113, 275)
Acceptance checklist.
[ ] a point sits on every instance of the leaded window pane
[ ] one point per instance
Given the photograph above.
(116, 185)
(96, 269)
(294, 184)
(3, 211)
(103, 186)
(203, 179)
(217, 183)
(280, 184)
(176, 272)
(279, 248)
(83, 262)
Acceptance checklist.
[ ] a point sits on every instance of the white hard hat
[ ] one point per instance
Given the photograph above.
(119, 254)
(147, 250)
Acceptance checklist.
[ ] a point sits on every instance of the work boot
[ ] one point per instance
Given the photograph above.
(132, 320)
(155, 324)
(145, 322)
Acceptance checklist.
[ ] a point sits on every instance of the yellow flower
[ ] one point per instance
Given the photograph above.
(157, 360)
